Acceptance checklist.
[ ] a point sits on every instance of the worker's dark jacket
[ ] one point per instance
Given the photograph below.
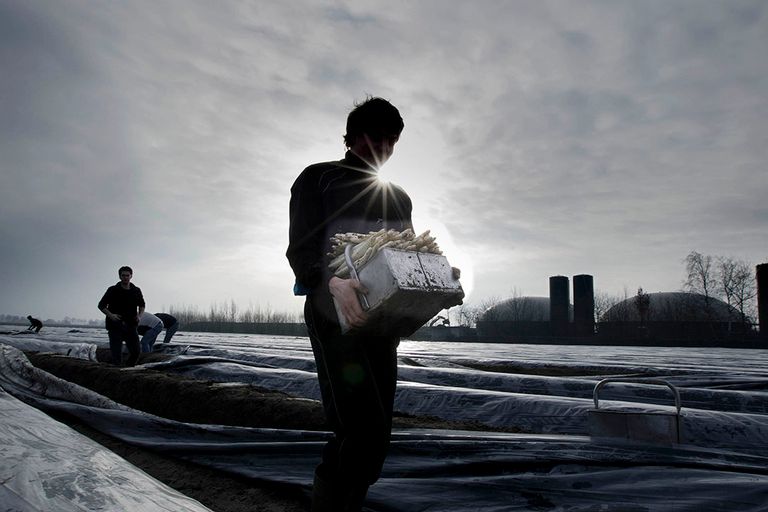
(337, 197)
(122, 302)
(168, 320)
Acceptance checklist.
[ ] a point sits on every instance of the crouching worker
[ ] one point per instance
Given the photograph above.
(122, 304)
(149, 327)
(171, 325)
(34, 324)
(357, 373)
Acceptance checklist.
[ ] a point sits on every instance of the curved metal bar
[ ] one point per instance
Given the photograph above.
(658, 382)
(353, 274)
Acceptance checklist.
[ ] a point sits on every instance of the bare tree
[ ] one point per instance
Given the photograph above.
(232, 313)
(518, 308)
(604, 302)
(620, 309)
(737, 284)
(643, 304)
(247, 316)
(469, 314)
(466, 314)
(700, 274)
(700, 278)
(743, 290)
(726, 278)
(217, 313)
(187, 314)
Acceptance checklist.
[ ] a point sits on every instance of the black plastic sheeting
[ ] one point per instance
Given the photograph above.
(438, 470)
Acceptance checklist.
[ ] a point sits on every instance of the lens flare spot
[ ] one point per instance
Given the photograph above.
(353, 373)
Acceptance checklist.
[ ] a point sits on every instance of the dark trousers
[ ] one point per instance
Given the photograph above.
(357, 376)
(124, 333)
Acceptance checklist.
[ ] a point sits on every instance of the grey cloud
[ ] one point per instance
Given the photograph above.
(578, 40)
(344, 15)
(168, 137)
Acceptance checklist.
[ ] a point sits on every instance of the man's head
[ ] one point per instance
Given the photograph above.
(29, 317)
(125, 273)
(373, 128)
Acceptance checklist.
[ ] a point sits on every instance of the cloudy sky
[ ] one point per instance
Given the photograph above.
(541, 138)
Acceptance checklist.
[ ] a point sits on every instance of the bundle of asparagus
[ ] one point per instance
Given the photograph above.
(366, 246)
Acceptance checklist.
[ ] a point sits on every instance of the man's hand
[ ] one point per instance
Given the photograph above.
(345, 292)
(114, 317)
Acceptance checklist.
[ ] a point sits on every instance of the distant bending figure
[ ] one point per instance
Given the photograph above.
(357, 373)
(149, 327)
(34, 324)
(122, 304)
(171, 325)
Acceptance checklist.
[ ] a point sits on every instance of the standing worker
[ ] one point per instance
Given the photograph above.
(357, 373)
(122, 304)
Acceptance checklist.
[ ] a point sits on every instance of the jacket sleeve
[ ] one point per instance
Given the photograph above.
(104, 302)
(140, 298)
(305, 234)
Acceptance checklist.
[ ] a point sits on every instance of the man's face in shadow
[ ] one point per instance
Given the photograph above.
(125, 278)
(375, 149)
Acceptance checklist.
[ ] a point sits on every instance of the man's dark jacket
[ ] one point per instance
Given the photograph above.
(122, 302)
(337, 197)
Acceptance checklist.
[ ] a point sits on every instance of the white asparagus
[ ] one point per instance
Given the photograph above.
(366, 246)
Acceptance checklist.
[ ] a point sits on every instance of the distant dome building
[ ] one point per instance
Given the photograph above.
(518, 317)
(520, 309)
(673, 307)
(677, 317)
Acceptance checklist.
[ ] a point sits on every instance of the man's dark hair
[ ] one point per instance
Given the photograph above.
(374, 116)
(125, 268)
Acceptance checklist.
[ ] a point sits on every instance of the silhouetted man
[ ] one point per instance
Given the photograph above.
(122, 304)
(35, 324)
(357, 373)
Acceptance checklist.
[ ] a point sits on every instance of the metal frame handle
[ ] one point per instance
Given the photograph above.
(658, 382)
(353, 274)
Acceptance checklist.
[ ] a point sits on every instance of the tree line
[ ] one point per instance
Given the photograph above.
(230, 312)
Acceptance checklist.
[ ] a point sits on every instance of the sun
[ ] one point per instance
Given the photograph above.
(384, 175)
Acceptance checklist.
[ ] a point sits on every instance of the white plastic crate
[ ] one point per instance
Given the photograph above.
(405, 290)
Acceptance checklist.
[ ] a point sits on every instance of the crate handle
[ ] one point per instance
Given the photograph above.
(353, 274)
(658, 382)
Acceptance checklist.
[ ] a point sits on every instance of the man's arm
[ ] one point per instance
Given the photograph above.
(142, 305)
(104, 305)
(305, 233)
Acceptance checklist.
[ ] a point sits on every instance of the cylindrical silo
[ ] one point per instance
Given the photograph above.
(583, 305)
(558, 305)
(762, 298)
